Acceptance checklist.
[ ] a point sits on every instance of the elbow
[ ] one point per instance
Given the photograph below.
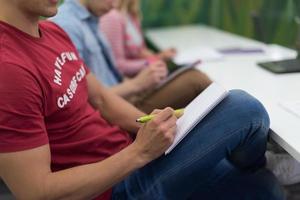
(96, 103)
(96, 100)
(123, 68)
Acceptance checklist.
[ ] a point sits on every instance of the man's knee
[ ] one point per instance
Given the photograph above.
(248, 107)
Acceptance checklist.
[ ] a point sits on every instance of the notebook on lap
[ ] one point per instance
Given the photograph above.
(175, 69)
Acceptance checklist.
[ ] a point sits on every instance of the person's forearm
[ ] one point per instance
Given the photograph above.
(113, 108)
(145, 52)
(126, 89)
(131, 67)
(118, 111)
(89, 181)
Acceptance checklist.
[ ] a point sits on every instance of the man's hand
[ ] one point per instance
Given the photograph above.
(151, 76)
(154, 137)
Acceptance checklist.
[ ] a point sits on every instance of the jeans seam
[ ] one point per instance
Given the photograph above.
(174, 169)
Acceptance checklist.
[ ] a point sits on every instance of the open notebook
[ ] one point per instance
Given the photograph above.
(197, 110)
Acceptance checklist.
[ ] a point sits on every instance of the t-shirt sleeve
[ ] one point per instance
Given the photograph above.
(22, 124)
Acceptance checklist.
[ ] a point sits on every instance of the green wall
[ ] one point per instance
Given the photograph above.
(275, 16)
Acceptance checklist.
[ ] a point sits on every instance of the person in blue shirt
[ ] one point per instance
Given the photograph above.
(81, 24)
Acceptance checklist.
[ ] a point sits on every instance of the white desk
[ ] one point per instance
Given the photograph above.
(241, 71)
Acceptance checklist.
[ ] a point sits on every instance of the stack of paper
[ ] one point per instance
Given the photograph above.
(276, 52)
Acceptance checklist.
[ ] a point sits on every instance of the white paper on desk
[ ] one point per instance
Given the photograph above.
(204, 54)
(276, 52)
(292, 107)
(197, 110)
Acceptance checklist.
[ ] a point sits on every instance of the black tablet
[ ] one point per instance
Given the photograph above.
(282, 66)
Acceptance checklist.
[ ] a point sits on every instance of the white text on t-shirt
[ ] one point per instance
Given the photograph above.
(59, 62)
(63, 100)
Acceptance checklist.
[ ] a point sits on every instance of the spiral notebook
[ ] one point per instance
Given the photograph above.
(197, 110)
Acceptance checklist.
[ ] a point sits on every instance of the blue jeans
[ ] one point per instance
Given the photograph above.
(221, 158)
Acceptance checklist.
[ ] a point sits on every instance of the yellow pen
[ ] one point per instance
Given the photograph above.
(147, 118)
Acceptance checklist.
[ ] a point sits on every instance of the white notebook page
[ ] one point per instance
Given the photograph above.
(197, 110)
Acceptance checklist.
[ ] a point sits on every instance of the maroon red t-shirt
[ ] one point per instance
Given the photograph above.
(44, 100)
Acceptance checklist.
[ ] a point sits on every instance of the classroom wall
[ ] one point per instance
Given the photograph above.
(277, 16)
(231, 15)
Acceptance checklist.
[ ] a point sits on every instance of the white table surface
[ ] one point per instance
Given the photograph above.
(241, 71)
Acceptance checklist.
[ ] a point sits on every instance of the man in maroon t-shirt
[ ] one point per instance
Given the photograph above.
(64, 136)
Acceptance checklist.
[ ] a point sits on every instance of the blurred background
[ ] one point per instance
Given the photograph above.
(270, 21)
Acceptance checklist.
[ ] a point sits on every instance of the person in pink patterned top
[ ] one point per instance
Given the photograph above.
(122, 26)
